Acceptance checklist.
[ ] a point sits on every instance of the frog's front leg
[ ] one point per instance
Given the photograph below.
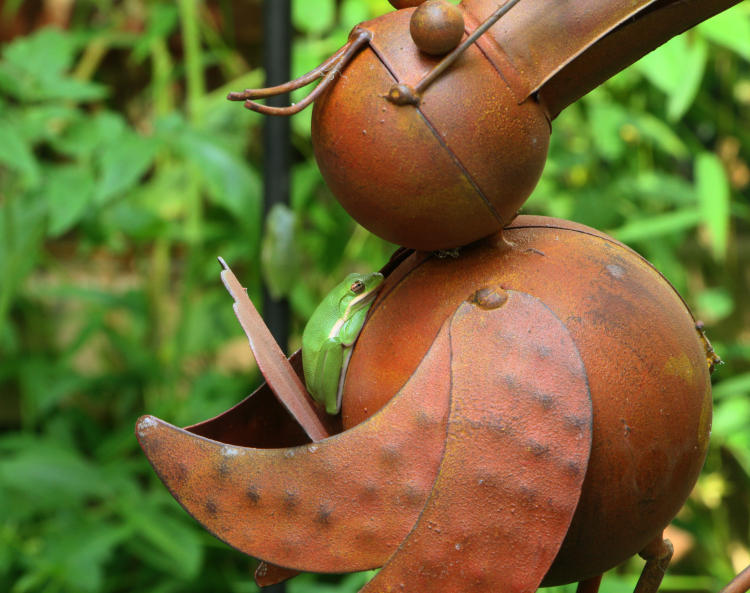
(328, 368)
(352, 327)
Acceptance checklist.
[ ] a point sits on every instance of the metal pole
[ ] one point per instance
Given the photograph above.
(277, 30)
(277, 49)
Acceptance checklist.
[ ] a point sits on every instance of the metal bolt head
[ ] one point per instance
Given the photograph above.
(437, 27)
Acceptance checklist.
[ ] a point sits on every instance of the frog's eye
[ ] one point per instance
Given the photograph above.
(357, 286)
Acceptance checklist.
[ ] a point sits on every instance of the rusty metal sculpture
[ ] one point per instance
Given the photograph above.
(532, 412)
(433, 153)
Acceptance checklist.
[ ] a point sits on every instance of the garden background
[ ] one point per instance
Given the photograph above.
(124, 172)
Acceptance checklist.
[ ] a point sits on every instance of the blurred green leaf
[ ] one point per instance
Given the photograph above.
(676, 68)
(646, 228)
(307, 583)
(730, 29)
(48, 475)
(712, 188)
(737, 386)
(229, 181)
(280, 251)
(88, 134)
(48, 52)
(731, 416)
(314, 17)
(17, 154)
(21, 235)
(122, 163)
(162, 541)
(72, 557)
(608, 118)
(69, 191)
(714, 305)
(32, 69)
(660, 133)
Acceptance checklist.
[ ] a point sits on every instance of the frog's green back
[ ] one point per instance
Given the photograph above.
(320, 323)
(330, 314)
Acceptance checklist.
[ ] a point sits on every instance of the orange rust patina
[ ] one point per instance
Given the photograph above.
(518, 443)
(338, 505)
(645, 361)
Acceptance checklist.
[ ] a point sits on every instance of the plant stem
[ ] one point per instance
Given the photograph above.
(191, 45)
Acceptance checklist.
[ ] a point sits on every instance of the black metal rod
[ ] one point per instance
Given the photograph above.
(277, 50)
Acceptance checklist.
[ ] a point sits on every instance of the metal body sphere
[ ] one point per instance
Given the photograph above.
(437, 175)
(646, 366)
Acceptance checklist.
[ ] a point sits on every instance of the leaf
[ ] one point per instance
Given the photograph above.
(123, 163)
(162, 19)
(714, 304)
(737, 386)
(663, 224)
(660, 133)
(733, 415)
(68, 191)
(21, 235)
(87, 134)
(712, 189)
(314, 17)
(229, 181)
(354, 12)
(280, 251)
(49, 475)
(46, 52)
(33, 69)
(71, 556)
(309, 583)
(172, 546)
(676, 68)
(17, 154)
(607, 118)
(731, 29)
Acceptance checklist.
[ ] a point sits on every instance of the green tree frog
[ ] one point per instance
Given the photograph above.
(330, 334)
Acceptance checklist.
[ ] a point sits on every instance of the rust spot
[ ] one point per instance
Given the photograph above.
(291, 500)
(412, 496)
(511, 382)
(577, 422)
(324, 514)
(423, 420)
(181, 472)
(574, 468)
(538, 449)
(544, 350)
(252, 494)
(545, 399)
(370, 489)
(390, 454)
(489, 298)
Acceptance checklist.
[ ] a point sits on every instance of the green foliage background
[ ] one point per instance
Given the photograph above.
(124, 173)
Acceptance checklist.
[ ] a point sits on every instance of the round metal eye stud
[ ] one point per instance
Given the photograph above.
(437, 27)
